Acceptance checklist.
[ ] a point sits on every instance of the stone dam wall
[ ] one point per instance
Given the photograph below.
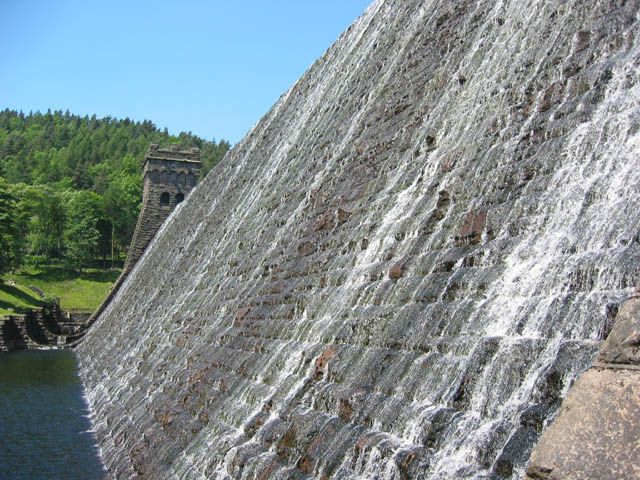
(402, 269)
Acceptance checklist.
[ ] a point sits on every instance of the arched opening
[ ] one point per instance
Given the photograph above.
(164, 199)
(179, 198)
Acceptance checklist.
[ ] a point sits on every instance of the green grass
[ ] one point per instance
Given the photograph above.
(78, 291)
(17, 299)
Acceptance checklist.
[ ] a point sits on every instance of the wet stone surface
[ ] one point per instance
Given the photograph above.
(623, 343)
(401, 269)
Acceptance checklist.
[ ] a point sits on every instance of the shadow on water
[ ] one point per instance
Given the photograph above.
(44, 428)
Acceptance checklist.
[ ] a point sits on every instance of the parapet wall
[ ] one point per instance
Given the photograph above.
(173, 153)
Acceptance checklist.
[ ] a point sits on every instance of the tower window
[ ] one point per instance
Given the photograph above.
(179, 198)
(164, 199)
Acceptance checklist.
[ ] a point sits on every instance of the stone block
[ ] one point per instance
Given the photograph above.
(623, 344)
(596, 433)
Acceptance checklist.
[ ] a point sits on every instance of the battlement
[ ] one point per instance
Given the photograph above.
(173, 153)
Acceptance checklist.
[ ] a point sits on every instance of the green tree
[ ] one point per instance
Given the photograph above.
(81, 234)
(44, 155)
(8, 238)
(22, 213)
(121, 205)
(120, 186)
(44, 207)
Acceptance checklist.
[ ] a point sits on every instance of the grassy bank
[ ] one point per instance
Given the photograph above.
(17, 299)
(79, 291)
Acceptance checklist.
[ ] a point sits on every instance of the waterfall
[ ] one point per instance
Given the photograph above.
(399, 272)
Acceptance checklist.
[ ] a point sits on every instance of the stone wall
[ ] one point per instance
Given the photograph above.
(13, 334)
(401, 269)
(39, 328)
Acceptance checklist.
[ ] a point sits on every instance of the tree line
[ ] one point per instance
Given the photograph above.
(71, 186)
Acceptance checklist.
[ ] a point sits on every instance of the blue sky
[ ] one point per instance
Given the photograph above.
(210, 67)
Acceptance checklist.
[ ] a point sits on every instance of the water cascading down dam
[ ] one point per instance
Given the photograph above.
(401, 269)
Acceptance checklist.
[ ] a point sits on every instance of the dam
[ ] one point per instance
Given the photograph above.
(402, 268)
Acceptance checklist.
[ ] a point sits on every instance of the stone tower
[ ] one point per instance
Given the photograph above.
(169, 175)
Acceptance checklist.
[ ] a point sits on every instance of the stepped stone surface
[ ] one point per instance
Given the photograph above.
(38, 328)
(401, 269)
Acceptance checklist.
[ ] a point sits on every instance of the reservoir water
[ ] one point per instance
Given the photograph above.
(45, 432)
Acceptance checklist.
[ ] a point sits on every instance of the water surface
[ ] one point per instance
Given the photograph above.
(44, 428)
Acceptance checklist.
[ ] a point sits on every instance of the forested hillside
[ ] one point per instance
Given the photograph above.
(71, 186)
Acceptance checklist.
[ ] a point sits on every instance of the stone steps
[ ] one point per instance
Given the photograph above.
(38, 329)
